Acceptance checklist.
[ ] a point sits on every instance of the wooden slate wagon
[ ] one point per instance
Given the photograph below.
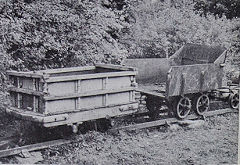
(187, 80)
(70, 96)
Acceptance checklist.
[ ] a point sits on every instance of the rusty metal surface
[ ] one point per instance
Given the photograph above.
(191, 54)
(150, 70)
(193, 68)
(193, 78)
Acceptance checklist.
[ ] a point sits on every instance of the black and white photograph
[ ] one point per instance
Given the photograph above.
(119, 82)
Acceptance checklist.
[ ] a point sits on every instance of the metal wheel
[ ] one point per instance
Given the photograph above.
(201, 104)
(153, 107)
(183, 107)
(234, 100)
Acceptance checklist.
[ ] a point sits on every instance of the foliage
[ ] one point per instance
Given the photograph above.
(229, 8)
(163, 28)
(36, 34)
(59, 33)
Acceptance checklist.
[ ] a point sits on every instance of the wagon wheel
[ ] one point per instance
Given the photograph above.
(104, 124)
(153, 107)
(182, 107)
(201, 104)
(234, 100)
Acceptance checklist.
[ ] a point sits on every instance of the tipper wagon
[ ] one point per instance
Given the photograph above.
(186, 81)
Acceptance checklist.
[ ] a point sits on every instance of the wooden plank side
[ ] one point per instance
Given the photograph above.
(194, 79)
(61, 88)
(60, 105)
(97, 113)
(89, 93)
(115, 67)
(64, 70)
(30, 92)
(119, 82)
(88, 85)
(118, 98)
(91, 102)
(24, 74)
(90, 76)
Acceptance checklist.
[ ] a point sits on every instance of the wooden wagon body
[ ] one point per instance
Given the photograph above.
(72, 95)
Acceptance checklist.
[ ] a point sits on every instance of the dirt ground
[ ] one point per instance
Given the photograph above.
(215, 142)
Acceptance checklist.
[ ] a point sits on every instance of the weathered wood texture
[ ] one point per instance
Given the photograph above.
(193, 79)
(71, 89)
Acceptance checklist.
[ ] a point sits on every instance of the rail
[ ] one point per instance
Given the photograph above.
(44, 145)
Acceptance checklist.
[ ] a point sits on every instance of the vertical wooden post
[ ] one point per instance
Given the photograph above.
(45, 107)
(18, 94)
(45, 90)
(104, 86)
(34, 84)
(34, 97)
(78, 91)
(132, 93)
(130, 96)
(34, 103)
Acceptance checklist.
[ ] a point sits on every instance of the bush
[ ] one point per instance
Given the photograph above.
(161, 28)
(62, 33)
(59, 33)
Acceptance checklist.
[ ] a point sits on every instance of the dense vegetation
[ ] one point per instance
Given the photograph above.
(36, 34)
(229, 8)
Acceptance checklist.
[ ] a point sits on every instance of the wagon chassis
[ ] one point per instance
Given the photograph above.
(181, 106)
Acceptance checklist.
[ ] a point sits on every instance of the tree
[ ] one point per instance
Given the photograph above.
(229, 8)
(164, 27)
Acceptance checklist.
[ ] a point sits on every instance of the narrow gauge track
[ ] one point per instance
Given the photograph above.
(172, 120)
(9, 138)
(47, 144)
(32, 147)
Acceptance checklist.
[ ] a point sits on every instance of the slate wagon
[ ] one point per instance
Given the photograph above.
(70, 96)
